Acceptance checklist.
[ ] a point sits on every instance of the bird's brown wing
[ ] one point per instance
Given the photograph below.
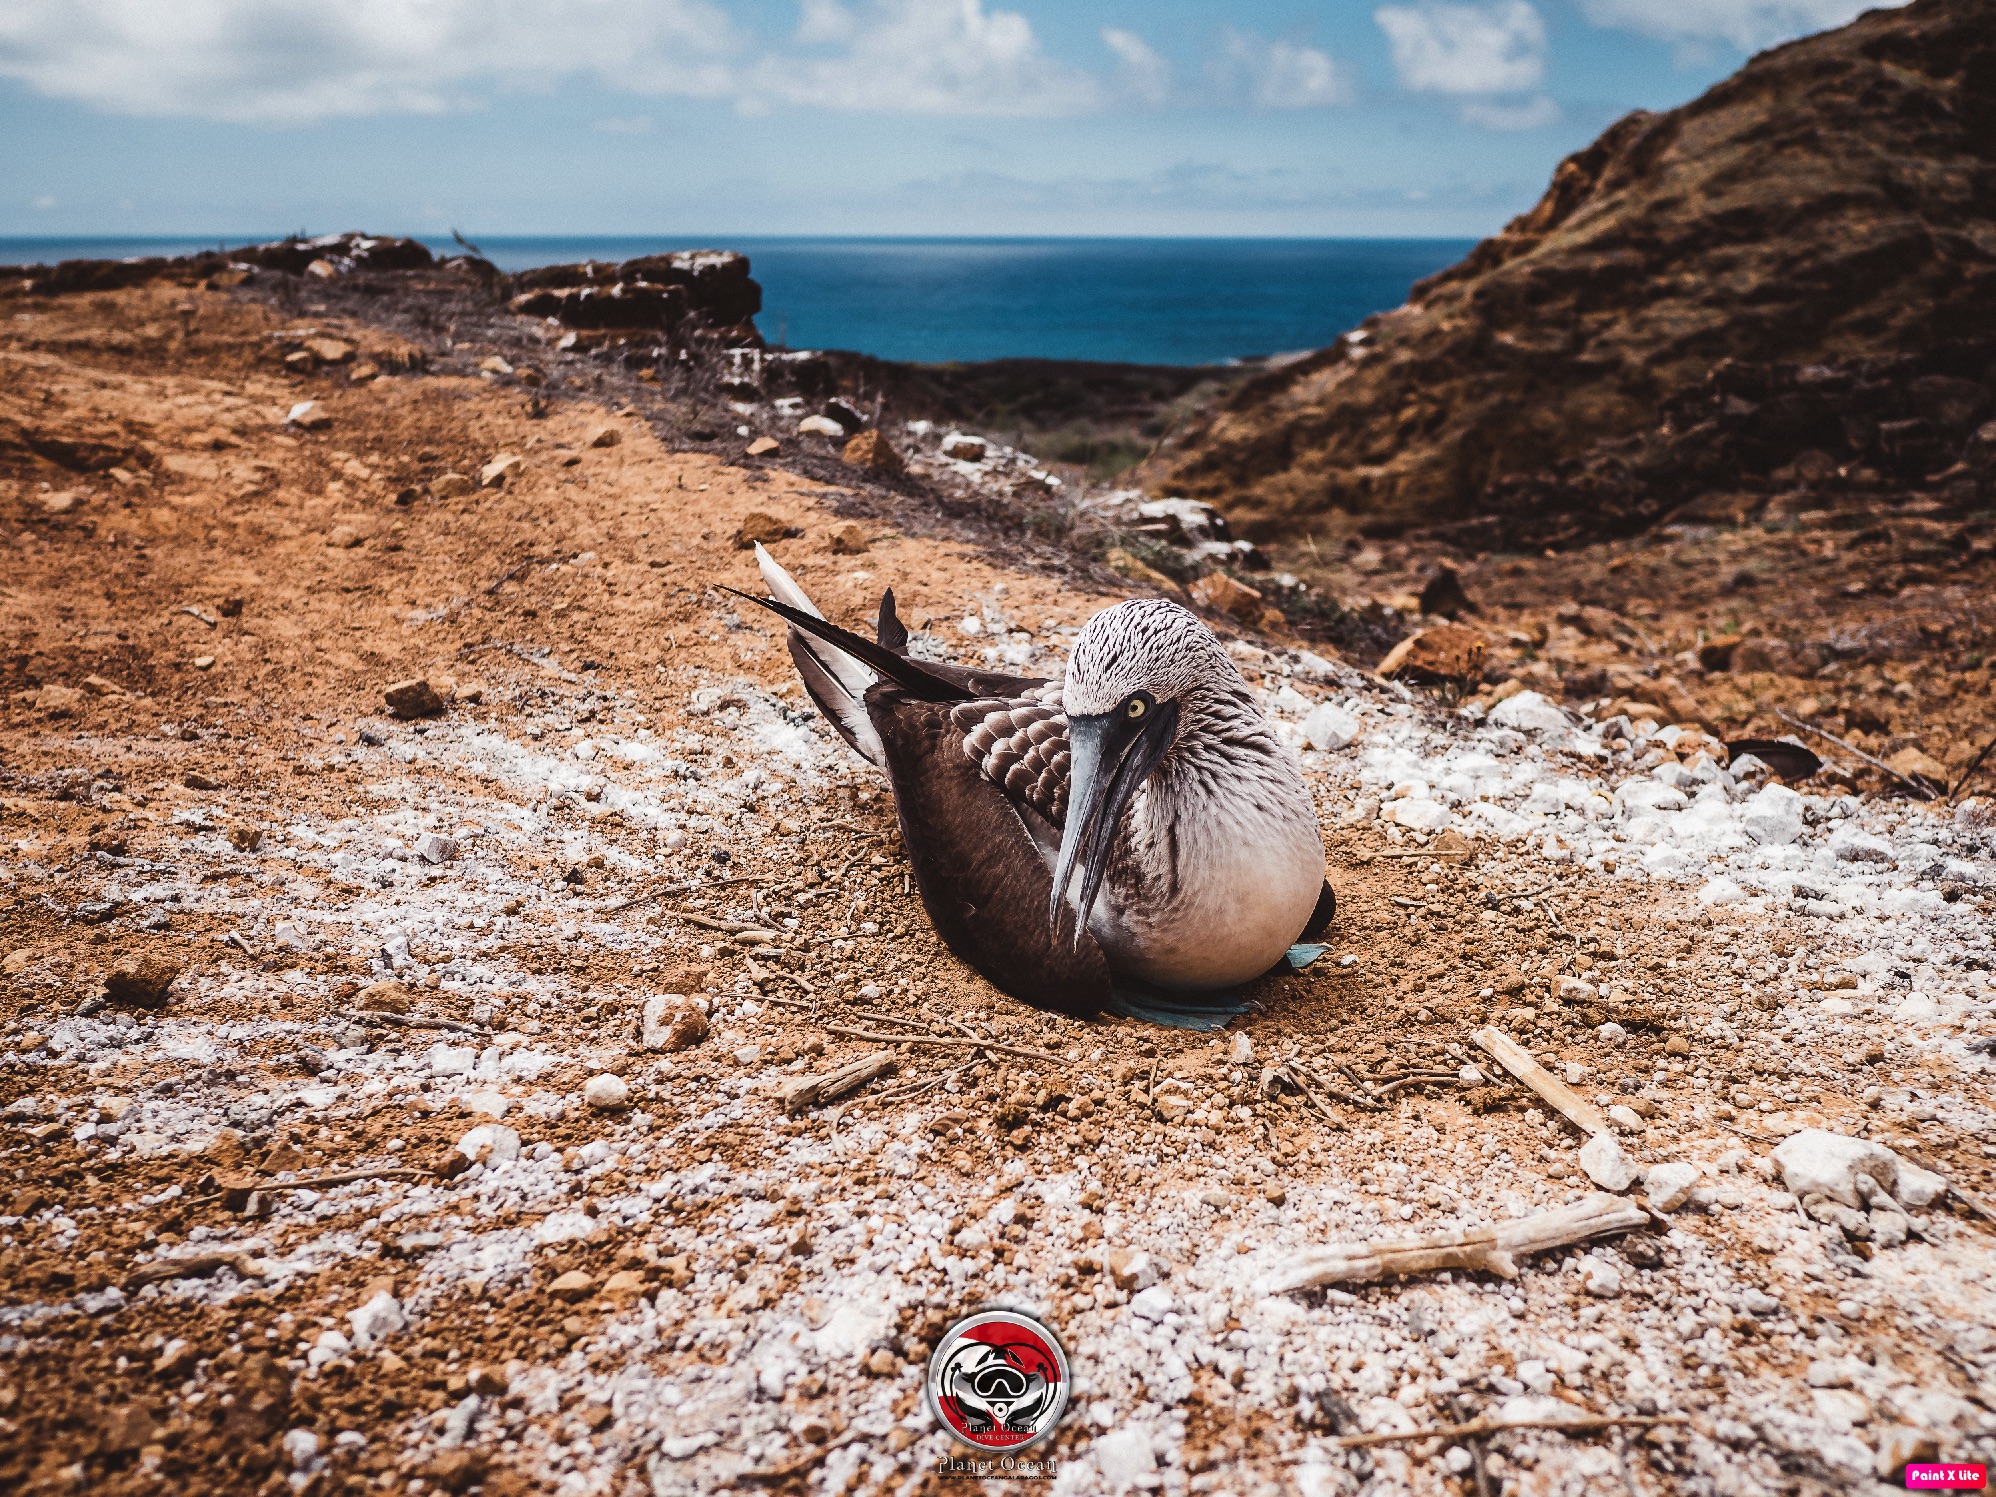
(981, 876)
(1019, 743)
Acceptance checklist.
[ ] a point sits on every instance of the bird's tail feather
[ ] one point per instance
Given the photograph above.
(837, 682)
(1205, 1012)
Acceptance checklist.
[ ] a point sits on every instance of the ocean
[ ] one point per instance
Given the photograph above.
(1139, 301)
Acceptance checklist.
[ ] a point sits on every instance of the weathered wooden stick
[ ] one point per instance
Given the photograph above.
(1584, 1424)
(809, 1091)
(948, 1041)
(194, 1266)
(1485, 1249)
(1555, 1093)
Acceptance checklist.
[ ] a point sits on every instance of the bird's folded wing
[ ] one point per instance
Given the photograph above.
(1019, 743)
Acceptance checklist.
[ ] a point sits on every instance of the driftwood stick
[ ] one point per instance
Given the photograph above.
(245, 1186)
(1485, 1249)
(194, 1266)
(809, 1091)
(1584, 1424)
(416, 1021)
(1555, 1093)
(1925, 790)
(938, 1039)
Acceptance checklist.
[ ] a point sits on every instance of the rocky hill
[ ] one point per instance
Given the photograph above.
(1834, 200)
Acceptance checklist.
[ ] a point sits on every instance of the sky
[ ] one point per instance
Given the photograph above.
(820, 117)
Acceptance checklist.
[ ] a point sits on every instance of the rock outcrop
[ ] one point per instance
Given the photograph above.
(1834, 200)
(711, 288)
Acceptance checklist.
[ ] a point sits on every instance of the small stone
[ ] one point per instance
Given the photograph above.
(763, 446)
(1153, 1303)
(607, 1093)
(1605, 1163)
(1669, 1185)
(141, 981)
(101, 686)
(1529, 712)
(1329, 727)
(672, 1023)
(572, 1286)
(883, 1363)
(500, 470)
(381, 1316)
(624, 1285)
(58, 701)
(435, 847)
(1445, 652)
(872, 451)
(308, 415)
(364, 371)
(451, 486)
(963, 449)
(452, 1060)
(176, 1359)
(1773, 817)
(301, 1448)
(1677, 1044)
(1125, 1459)
(459, 1469)
(490, 1143)
(1570, 989)
(204, 662)
(328, 350)
(494, 365)
(603, 436)
(1599, 1277)
(494, 1105)
(821, 426)
(1626, 1118)
(848, 539)
(761, 529)
(1818, 1162)
(1131, 1270)
(385, 997)
(413, 698)
(343, 538)
(468, 691)
(1220, 593)
(1275, 1195)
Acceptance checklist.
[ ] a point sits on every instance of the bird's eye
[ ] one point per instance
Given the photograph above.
(1134, 708)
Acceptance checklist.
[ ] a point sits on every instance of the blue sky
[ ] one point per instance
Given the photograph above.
(711, 117)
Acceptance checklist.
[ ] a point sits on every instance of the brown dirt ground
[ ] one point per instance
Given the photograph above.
(248, 589)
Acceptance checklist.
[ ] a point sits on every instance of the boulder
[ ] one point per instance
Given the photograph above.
(872, 451)
(141, 980)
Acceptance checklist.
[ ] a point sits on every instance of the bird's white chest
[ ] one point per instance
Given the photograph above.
(1239, 890)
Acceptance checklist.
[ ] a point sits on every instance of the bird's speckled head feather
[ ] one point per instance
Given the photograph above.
(1145, 644)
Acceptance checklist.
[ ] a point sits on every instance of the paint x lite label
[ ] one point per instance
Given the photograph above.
(998, 1381)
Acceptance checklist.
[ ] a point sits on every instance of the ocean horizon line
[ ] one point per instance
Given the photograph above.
(933, 299)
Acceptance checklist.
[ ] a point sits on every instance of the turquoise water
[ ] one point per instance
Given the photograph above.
(1140, 301)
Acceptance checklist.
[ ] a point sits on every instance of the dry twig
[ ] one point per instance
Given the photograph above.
(809, 1091)
(193, 1266)
(1583, 1424)
(1911, 782)
(950, 1041)
(1483, 1249)
(1514, 1058)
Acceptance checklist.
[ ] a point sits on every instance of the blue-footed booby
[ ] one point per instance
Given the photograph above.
(1133, 837)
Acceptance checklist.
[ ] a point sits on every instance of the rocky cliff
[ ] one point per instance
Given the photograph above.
(1834, 200)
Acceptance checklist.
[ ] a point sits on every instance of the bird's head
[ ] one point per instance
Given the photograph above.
(1132, 670)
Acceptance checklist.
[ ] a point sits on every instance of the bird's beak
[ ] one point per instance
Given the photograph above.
(1109, 756)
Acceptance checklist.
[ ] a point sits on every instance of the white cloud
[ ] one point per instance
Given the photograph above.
(1465, 49)
(286, 61)
(1746, 24)
(1281, 75)
(290, 61)
(924, 57)
(1141, 73)
(1533, 114)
